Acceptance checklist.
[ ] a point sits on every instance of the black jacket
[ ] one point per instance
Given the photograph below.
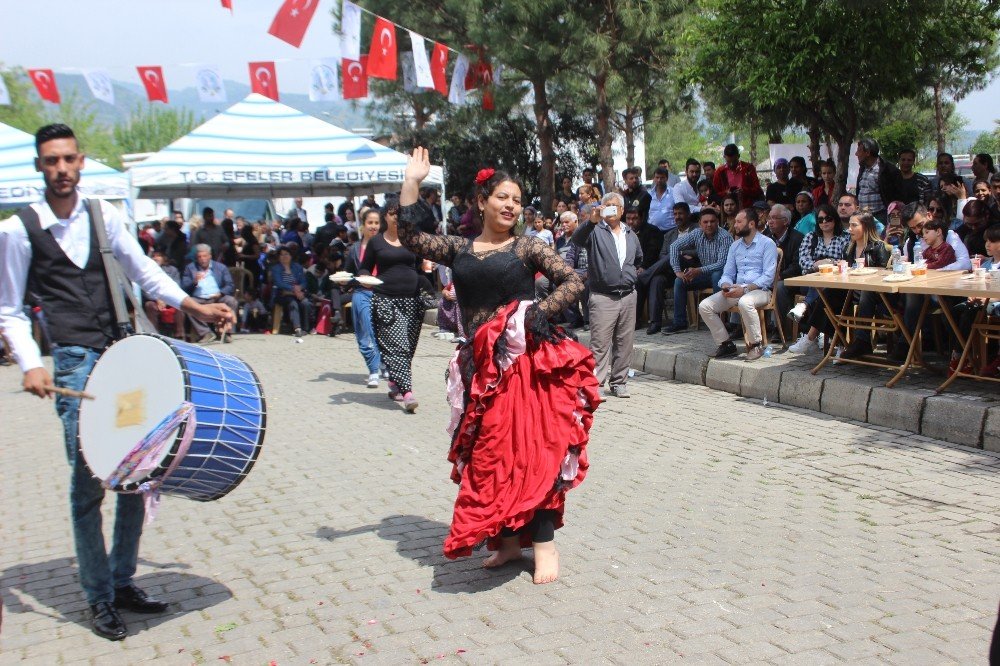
(790, 252)
(877, 254)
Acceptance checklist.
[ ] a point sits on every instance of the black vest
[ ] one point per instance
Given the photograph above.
(76, 302)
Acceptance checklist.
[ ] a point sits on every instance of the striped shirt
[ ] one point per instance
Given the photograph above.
(711, 252)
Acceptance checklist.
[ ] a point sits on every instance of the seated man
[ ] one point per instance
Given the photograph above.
(711, 248)
(779, 229)
(159, 312)
(746, 283)
(208, 281)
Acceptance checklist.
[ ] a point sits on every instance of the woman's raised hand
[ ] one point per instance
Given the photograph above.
(418, 165)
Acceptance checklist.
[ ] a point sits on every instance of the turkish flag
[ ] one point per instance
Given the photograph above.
(439, 68)
(227, 4)
(263, 79)
(152, 79)
(292, 20)
(45, 83)
(354, 78)
(382, 54)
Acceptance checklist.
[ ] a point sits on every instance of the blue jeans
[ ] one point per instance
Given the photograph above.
(681, 288)
(99, 573)
(361, 313)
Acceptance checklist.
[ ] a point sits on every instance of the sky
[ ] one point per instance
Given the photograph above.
(117, 35)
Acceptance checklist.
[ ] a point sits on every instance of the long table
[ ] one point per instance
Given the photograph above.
(928, 285)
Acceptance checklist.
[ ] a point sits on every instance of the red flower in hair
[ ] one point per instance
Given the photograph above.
(483, 176)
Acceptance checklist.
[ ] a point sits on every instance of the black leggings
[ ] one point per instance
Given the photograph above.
(542, 527)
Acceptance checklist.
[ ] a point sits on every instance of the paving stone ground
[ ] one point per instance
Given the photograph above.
(711, 529)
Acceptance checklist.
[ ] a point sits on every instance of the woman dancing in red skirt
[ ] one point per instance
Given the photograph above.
(522, 394)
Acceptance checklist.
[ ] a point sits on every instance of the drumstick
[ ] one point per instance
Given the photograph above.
(68, 393)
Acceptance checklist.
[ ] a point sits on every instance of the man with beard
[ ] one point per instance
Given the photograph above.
(635, 194)
(746, 284)
(687, 189)
(53, 244)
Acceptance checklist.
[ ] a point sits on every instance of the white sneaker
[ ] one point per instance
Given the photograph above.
(803, 346)
(820, 341)
(797, 312)
(373, 380)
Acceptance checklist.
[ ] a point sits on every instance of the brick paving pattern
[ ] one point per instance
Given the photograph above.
(711, 529)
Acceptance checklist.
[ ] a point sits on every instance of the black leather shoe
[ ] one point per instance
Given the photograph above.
(725, 350)
(133, 599)
(857, 349)
(670, 330)
(653, 329)
(106, 622)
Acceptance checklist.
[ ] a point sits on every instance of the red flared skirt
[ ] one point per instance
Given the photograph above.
(517, 429)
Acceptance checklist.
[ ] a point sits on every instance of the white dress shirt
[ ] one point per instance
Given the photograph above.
(683, 191)
(73, 236)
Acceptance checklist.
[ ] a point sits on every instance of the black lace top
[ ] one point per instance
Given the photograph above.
(487, 281)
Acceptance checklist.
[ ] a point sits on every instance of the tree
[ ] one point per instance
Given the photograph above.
(988, 142)
(151, 128)
(25, 111)
(852, 59)
(94, 136)
(956, 67)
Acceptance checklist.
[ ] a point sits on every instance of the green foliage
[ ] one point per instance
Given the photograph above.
(94, 137)
(988, 142)
(25, 111)
(842, 62)
(895, 137)
(151, 128)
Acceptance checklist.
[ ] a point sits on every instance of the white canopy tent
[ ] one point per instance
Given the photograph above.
(21, 185)
(259, 148)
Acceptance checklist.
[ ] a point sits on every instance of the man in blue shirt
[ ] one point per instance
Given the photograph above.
(746, 283)
(661, 202)
(208, 281)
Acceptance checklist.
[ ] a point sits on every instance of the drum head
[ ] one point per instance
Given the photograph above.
(136, 383)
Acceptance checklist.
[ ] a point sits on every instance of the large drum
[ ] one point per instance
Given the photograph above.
(171, 416)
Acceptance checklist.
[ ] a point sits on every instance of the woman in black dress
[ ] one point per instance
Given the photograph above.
(522, 394)
(397, 311)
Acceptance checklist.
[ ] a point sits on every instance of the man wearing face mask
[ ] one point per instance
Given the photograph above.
(614, 259)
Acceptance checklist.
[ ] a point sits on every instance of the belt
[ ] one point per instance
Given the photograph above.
(617, 293)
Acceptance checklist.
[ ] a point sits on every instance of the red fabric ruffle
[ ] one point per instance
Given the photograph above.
(515, 432)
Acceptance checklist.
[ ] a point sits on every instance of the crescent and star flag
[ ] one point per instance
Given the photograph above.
(292, 20)
(354, 77)
(100, 86)
(382, 54)
(4, 93)
(263, 79)
(421, 66)
(439, 68)
(350, 31)
(152, 79)
(323, 81)
(227, 4)
(45, 84)
(211, 89)
(457, 93)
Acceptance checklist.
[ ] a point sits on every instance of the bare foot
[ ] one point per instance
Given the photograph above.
(510, 549)
(546, 562)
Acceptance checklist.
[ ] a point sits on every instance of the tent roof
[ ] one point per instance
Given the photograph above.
(261, 148)
(21, 185)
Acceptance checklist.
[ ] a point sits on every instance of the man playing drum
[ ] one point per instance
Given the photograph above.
(52, 244)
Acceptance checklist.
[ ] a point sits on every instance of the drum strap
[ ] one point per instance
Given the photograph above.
(117, 283)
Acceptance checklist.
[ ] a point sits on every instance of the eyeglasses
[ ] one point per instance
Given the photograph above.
(823, 219)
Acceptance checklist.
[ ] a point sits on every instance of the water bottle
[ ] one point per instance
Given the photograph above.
(768, 350)
(896, 262)
(918, 251)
